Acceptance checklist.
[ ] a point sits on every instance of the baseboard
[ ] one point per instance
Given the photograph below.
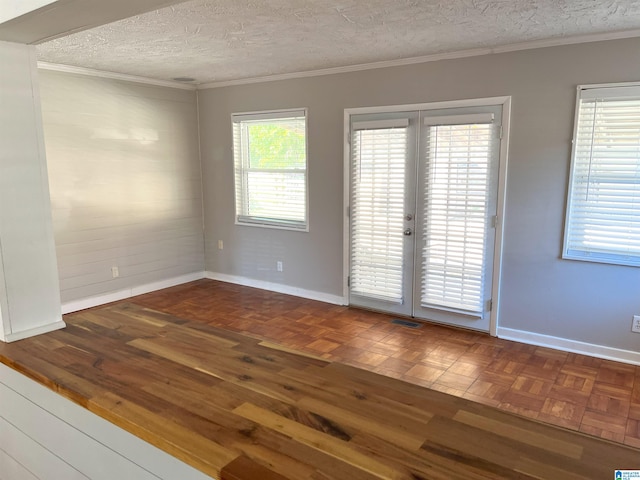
(573, 346)
(277, 287)
(531, 338)
(32, 332)
(97, 300)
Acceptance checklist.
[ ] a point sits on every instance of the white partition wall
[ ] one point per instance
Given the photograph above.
(29, 290)
(44, 436)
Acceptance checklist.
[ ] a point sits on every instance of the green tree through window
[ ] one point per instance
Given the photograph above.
(270, 156)
(276, 146)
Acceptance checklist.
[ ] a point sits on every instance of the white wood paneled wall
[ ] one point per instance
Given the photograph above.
(44, 436)
(125, 181)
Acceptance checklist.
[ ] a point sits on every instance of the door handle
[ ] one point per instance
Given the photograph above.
(407, 232)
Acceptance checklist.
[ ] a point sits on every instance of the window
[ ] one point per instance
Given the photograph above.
(603, 216)
(379, 158)
(270, 159)
(460, 152)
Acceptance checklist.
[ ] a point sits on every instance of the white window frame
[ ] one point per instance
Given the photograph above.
(241, 217)
(569, 252)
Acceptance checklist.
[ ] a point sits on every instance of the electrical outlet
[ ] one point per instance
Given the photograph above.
(635, 326)
(220, 244)
(115, 273)
(279, 266)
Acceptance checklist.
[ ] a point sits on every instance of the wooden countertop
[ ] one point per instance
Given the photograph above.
(236, 407)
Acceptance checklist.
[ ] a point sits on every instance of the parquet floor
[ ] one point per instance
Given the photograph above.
(582, 393)
(241, 408)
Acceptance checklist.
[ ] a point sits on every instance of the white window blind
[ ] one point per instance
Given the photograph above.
(603, 217)
(270, 160)
(379, 152)
(457, 187)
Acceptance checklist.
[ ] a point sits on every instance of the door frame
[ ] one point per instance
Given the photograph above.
(505, 101)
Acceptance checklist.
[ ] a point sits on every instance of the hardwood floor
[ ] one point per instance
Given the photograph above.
(241, 408)
(587, 394)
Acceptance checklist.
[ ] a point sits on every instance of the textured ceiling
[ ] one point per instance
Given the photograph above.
(222, 40)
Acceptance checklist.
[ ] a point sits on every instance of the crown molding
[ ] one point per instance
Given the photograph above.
(558, 42)
(56, 67)
(474, 52)
(349, 68)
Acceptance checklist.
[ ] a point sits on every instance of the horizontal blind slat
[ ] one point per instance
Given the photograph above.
(377, 207)
(455, 210)
(604, 201)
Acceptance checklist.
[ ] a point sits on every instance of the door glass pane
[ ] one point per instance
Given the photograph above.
(377, 212)
(456, 197)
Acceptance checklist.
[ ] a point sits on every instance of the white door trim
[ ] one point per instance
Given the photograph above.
(505, 101)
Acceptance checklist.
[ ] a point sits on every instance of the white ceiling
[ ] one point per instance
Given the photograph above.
(225, 40)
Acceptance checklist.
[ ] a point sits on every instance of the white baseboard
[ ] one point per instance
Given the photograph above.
(32, 332)
(97, 300)
(89, 302)
(277, 287)
(531, 338)
(567, 345)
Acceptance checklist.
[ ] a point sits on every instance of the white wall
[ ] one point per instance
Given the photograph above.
(541, 293)
(44, 436)
(29, 291)
(124, 174)
(14, 8)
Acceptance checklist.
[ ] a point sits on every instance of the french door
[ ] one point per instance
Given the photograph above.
(422, 213)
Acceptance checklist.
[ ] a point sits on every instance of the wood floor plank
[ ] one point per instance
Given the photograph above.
(334, 447)
(211, 396)
(363, 402)
(187, 445)
(523, 435)
(436, 462)
(320, 463)
(379, 427)
(242, 468)
(544, 470)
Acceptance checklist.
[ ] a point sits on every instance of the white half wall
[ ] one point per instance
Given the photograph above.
(44, 436)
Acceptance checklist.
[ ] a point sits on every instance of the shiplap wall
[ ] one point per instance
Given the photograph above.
(44, 436)
(125, 182)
